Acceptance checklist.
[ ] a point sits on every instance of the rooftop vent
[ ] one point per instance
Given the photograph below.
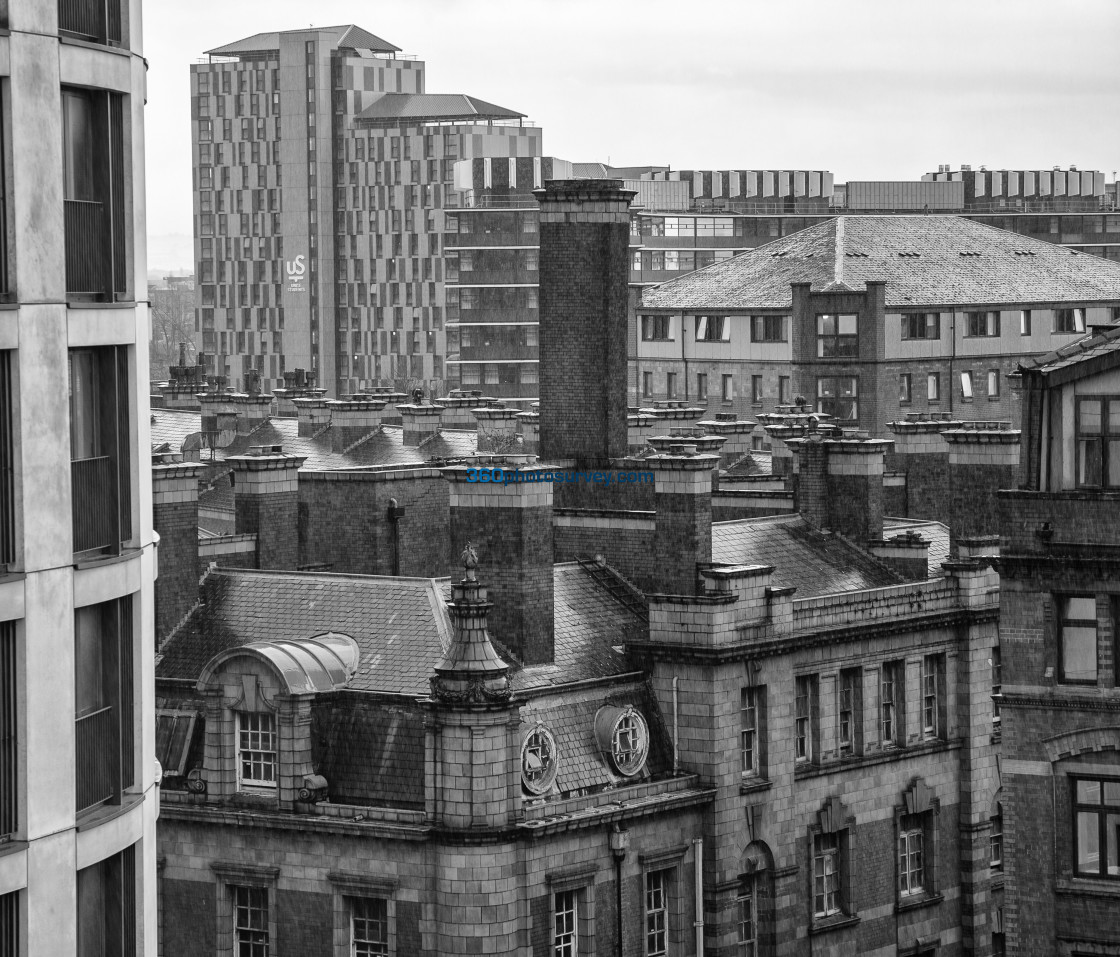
(910, 255)
(970, 253)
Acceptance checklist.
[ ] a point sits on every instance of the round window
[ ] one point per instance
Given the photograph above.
(538, 760)
(629, 742)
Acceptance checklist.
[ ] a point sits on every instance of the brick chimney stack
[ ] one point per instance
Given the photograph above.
(584, 289)
(265, 502)
(511, 527)
(352, 420)
(682, 537)
(419, 422)
(175, 518)
(983, 458)
(840, 484)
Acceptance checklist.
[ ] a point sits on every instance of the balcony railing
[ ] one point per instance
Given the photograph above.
(95, 505)
(97, 20)
(85, 242)
(97, 752)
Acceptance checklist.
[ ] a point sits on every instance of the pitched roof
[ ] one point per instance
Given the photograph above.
(1083, 357)
(172, 426)
(814, 562)
(924, 260)
(401, 625)
(936, 533)
(346, 36)
(385, 447)
(434, 106)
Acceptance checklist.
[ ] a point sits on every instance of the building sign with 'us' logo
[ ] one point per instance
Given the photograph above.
(296, 271)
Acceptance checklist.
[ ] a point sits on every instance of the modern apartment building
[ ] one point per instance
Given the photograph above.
(78, 785)
(321, 171)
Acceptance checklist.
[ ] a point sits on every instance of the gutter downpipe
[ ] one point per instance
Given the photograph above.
(675, 738)
(698, 924)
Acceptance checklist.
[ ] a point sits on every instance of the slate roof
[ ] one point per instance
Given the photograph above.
(571, 719)
(432, 106)
(173, 427)
(814, 562)
(381, 448)
(345, 35)
(924, 261)
(401, 625)
(1082, 357)
(935, 533)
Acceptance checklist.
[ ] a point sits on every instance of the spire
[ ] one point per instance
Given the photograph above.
(471, 672)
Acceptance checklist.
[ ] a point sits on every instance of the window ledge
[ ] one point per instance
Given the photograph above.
(1082, 886)
(993, 398)
(96, 561)
(752, 784)
(12, 847)
(8, 306)
(104, 46)
(836, 922)
(104, 813)
(891, 753)
(918, 900)
(99, 304)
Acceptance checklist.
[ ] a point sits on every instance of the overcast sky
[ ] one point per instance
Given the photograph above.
(869, 89)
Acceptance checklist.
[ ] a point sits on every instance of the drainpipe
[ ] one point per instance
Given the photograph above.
(698, 844)
(394, 514)
(675, 738)
(620, 841)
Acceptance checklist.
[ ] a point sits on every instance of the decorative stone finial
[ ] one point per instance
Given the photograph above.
(469, 558)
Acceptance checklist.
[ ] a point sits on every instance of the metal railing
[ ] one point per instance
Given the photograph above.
(95, 507)
(98, 20)
(85, 243)
(96, 752)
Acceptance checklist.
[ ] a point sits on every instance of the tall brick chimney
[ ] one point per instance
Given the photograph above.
(419, 422)
(510, 526)
(265, 503)
(175, 519)
(840, 484)
(311, 415)
(584, 277)
(352, 420)
(983, 458)
(497, 429)
(682, 537)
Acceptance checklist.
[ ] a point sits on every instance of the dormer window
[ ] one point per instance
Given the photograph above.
(1098, 441)
(256, 750)
(623, 738)
(538, 760)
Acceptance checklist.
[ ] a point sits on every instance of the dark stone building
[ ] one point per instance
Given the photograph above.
(1057, 677)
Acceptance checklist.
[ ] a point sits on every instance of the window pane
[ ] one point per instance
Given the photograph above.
(1088, 842)
(1114, 462)
(1112, 793)
(847, 325)
(1079, 653)
(1089, 455)
(1112, 840)
(1080, 609)
(1090, 417)
(1088, 792)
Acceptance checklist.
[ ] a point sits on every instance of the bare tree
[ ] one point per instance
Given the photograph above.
(172, 318)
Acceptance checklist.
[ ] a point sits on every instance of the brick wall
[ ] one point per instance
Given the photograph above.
(344, 522)
(175, 519)
(511, 529)
(188, 909)
(584, 275)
